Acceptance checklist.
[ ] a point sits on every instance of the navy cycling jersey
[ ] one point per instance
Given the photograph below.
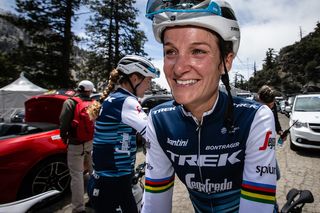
(224, 171)
(114, 142)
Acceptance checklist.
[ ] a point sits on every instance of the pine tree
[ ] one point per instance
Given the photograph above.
(48, 59)
(113, 32)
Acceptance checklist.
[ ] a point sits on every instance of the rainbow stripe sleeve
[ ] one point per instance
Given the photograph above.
(258, 192)
(159, 185)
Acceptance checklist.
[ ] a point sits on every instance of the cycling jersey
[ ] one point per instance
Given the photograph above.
(114, 143)
(224, 171)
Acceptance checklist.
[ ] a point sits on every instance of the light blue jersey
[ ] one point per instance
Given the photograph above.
(114, 142)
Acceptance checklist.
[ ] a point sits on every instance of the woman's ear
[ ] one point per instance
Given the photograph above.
(229, 60)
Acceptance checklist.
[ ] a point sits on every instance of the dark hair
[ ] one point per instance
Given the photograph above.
(266, 94)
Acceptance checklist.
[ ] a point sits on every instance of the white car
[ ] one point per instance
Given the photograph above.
(305, 132)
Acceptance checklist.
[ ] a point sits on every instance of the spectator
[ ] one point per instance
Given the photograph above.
(266, 95)
(79, 152)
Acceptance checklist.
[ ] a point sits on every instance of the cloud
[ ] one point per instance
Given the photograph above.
(162, 79)
(264, 24)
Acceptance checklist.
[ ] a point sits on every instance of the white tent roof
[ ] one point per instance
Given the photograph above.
(13, 96)
(23, 84)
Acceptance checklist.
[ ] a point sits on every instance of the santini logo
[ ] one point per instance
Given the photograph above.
(178, 142)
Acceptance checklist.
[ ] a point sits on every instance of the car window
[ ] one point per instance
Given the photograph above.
(152, 102)
(307, 104)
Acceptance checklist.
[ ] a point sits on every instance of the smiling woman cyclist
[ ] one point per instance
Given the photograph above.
(220, 147)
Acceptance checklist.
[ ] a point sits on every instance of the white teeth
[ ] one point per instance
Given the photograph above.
(185, 82)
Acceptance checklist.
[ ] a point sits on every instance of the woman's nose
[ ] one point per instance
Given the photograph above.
(182, 64)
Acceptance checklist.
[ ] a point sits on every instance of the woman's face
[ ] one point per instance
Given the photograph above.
(192, 66)
(144, 85)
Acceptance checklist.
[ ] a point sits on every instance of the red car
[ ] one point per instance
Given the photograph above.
(32, 154)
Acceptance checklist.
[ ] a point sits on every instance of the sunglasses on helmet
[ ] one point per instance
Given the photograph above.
(187, 6)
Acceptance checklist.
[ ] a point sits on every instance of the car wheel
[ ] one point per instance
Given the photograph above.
(48, 175)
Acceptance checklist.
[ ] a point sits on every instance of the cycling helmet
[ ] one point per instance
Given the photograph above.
(86, 85)
(133, 63)
(217, 16)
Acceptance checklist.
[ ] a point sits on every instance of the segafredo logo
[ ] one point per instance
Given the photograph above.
(268, 142)
(179, 142)
(207, 186)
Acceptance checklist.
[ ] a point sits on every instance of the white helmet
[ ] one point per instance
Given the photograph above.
(217, 16)
(86, 85)
(133, 63)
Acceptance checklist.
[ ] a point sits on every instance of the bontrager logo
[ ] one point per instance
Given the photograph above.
(178, 142)
(224, 146)
(207, 186)
(205, 160)
(168, 109)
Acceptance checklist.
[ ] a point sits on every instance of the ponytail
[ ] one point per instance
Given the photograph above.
(94, 108)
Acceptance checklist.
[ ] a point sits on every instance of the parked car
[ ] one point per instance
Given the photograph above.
(150, 101)
(32, 154)
(18, 117)
(289, 103)
(282, 105)
(306, 131)
(147, 103)
(246, 95)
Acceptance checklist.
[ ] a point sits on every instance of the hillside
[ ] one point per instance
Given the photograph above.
(9, 34)
(295, 69)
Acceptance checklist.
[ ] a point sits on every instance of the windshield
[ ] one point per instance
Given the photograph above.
(307, 104)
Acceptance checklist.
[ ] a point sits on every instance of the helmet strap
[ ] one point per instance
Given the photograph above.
(228, 115)
(134, 89)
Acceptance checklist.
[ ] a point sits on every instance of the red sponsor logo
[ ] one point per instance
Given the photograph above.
(138, 108)
(266, 141)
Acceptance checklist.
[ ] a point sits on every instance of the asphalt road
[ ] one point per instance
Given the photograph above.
(300, 170)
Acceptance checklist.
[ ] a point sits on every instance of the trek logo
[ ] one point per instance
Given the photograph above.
(168, 109)
(234, 29)
(110, 99)
(268, 142)
(205, 160)
(207, 186)
(179, 142)
(266, 170)
(125, 144)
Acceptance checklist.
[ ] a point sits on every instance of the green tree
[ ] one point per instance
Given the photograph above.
(47, 59)
(113, 32)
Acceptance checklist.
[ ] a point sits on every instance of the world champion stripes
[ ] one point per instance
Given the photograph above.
(159, 185)
(258, 192)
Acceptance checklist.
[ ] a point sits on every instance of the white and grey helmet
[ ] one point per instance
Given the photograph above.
(217, 16)
(133, 63)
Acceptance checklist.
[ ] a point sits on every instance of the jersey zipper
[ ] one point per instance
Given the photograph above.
(199, 125)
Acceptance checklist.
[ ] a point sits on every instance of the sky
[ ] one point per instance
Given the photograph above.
(263, 24)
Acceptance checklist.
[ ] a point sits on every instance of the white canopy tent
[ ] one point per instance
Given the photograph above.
(13, 96)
